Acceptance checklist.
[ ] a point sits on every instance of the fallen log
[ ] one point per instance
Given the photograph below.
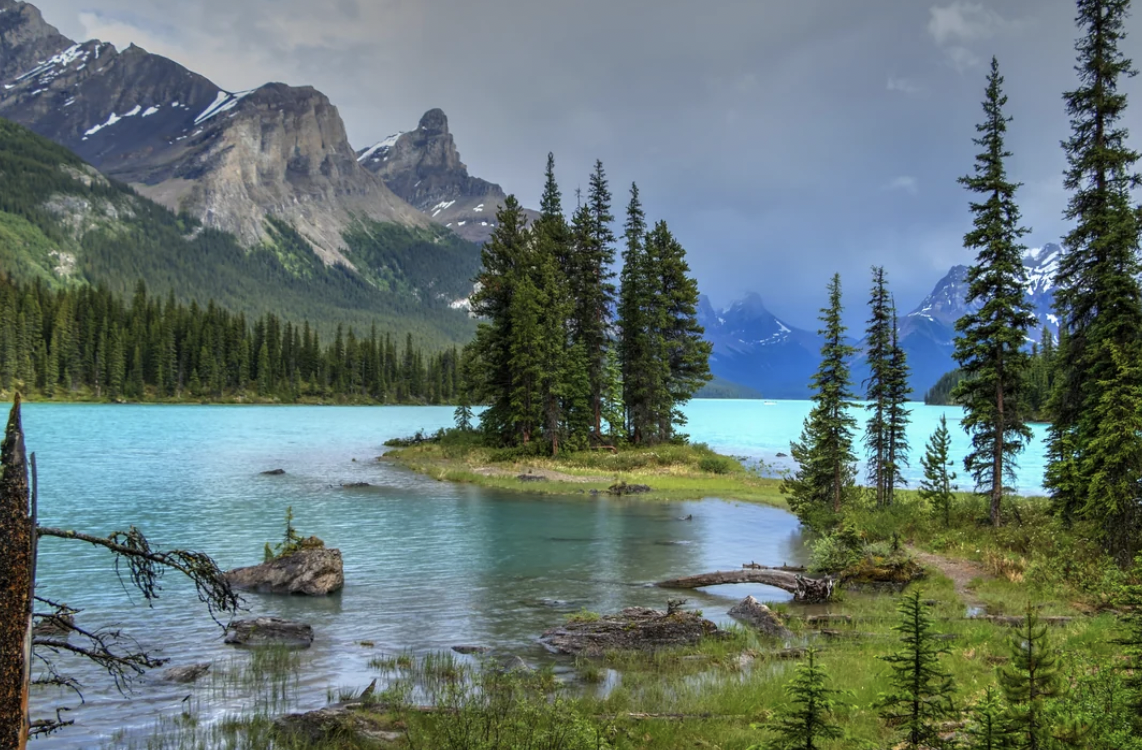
(787, 568)
(804, 589)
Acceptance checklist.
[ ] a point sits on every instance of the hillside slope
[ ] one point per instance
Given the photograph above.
(63, 222)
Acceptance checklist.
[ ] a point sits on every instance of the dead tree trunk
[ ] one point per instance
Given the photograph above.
(15, 583)
(804, 589)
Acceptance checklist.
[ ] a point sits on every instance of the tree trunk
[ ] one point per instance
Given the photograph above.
(15, 583)
(803, 588)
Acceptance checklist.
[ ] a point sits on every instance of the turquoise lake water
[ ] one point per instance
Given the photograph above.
(428, 565)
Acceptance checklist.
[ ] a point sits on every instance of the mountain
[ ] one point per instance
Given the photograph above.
(754, 348)
(927, 332)
(423, 167)
(63, 222)
(228, 159)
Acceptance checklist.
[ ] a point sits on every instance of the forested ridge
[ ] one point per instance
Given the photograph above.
(63, 223)
(84, 342)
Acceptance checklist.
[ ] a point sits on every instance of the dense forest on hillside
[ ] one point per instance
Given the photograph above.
(63, 223)
(85, 342)
(1040, 379)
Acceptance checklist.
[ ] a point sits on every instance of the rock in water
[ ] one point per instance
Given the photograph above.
(754, 613)
(632, 628)
(273, 472)
(187, 673)
(269, 631)
(314, 572)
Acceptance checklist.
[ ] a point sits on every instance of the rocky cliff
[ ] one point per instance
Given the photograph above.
(230, 159)
(423, 167)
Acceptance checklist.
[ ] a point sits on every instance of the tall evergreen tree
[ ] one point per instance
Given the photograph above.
(936, 486)
(921, 694)
(1028, 682)
(591, 287)
(1097, 294)
(878, 339)
(899, 415)
(678, 364)
(826, 465)
(806, 721)
(503, 257)
(989, 347)
(635, 352)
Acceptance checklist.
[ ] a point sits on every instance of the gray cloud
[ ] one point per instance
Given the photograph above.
(764, 132)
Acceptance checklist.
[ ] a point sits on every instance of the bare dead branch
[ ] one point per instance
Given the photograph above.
(146, 567)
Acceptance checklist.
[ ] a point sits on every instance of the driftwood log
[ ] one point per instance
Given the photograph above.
(803, 588)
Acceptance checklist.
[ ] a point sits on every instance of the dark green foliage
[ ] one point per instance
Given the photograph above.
(1029, 681)
(921, 695)
(936, 486)
(1131, 643)
(83, 342)
(46, 192)
(807, 720)
(987, 728)
(989, 347)
(589, 278)
(533, 357)
(886, 390)
(1098, 297)
(826, 465)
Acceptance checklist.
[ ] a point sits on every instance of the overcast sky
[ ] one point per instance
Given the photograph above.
(782, 141)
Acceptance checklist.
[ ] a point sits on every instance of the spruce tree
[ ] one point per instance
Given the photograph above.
(899, 415)
(807, 721)
(589, 273)
(878, 340)
(921, 693)
(1028, 682)
(826, 465)
(989, 347)
(987, 727)
(635, 301)
(678, 364)
(503, 257)
(1097, 294)
(550, 249)
(1130, 640)
(936, 486)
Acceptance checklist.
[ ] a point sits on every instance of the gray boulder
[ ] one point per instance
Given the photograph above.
(186, 673)
(313, 572)
(757, 615)
(269, 631)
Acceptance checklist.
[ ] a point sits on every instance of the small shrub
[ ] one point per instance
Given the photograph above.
(716, 464)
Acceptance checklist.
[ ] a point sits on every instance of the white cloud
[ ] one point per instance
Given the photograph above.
(903, 183)
(963, 22)
(957, 27)
(904, 85)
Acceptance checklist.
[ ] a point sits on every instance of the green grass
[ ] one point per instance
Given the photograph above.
(673, 472)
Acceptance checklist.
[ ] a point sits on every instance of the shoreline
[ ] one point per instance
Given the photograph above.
(680, 477)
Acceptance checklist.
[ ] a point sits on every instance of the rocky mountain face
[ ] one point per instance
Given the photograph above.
(928, 331)
(754, 348)
(228, 159)
(423, 167)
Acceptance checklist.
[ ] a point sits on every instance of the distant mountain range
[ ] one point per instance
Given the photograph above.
(755, 348)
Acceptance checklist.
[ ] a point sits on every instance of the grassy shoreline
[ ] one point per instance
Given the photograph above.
(673, 472)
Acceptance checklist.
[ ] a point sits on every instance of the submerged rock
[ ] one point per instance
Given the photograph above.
(273, 473)
(354, 485)
(635, 628)
(337, 724)
(468, 650)
(622, 488)
(186, 673)
(757, 615)
(269, 631)
(313, 572)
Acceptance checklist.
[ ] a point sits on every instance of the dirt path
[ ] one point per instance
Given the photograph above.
(962, 572)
